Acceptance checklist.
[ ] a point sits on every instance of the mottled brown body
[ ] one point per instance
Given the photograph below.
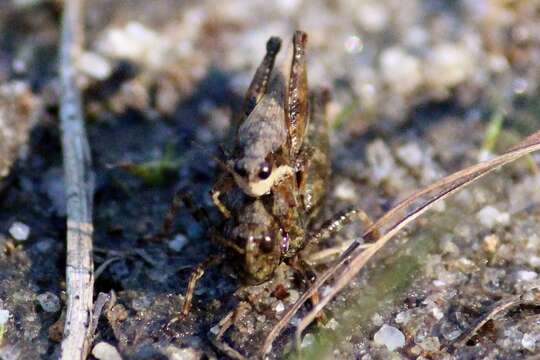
(275, 226)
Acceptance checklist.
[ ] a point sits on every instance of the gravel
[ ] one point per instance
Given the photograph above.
(4, 316)
(49, 302)
(390, 337)
(490, 216)
(178, 243)
(19, 231)
(105, 351)
(412, 89)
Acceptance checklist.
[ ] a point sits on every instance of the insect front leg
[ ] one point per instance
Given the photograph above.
(224, 184)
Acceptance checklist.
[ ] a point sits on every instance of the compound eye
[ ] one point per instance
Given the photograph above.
(240, 169)
(267, 244)
(265, 170)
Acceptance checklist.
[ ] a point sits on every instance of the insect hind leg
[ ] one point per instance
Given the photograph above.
(337, 224)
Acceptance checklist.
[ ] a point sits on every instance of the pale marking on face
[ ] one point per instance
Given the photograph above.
(261, 187)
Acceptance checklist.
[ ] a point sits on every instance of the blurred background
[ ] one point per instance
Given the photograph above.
(419, 89)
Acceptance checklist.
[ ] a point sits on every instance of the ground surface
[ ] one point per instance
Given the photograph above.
(415, 89)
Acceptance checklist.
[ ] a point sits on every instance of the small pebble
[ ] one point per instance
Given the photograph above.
(390, 337)
(332, 324)
(437, 313)
(4, 316)
(377, 319)
(105, 351)
(403, 317)
(411, 154)
(308, 341)
(94, 65)
(526, 275)
(401, 71)
(490, 216)
(372, 16)
(448, 65)
(439, 283)
(178, 243)
(345, 191)
(174, 353)
(215, 329)
(490, 243)
(353, 44)
(279, 307)
(49, 302)
(528, 342)
(293, 295)
(381, 161)
(19, 231)
(448, 246)
(534, 261)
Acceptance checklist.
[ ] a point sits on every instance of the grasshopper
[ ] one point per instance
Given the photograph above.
(271, 129)
(262, 229)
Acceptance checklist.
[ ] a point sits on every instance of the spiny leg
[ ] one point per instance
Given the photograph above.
(196, 275)
(335, 225)
(296, 99)
(328, 254)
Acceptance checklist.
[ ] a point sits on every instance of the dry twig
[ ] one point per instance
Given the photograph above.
(530, 298)
(79, 191)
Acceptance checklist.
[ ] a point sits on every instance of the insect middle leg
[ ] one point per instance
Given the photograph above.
(196, 275)
(224, 184)
(336, 224)
(201, 216)
(182, 197)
